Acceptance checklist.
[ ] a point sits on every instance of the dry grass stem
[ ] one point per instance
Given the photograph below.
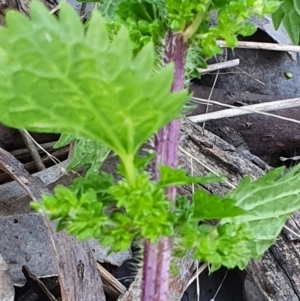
(218, 66)
(260, 108)
(262, 46)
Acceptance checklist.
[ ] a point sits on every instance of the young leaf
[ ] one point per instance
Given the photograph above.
(172, 177)
(86, 152)
(223, 245)
(64, 140)
(99, 183)
(107, 7)
(248, 30)
(207, 206)
(81, 84)
(227, 245)
(89, 152)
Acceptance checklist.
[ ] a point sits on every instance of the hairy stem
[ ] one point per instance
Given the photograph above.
(157, 256)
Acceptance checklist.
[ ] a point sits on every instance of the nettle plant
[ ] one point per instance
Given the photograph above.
(114, 83)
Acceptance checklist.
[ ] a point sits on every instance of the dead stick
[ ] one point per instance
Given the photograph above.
(218, 66)
(115, 286)
(33, 151)
(257, 108)
(263, 46)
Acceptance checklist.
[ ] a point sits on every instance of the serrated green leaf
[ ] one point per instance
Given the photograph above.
(224, 245)
(64, 140)
(271, 7)
(231, 41)
(268, 203)
(175, 177)
(97, 36)
(93, 92)
(98, 183)
(138, 10)
(107, 7)
(248, 30)
(70, 24)
(208, 206)
(88, 152)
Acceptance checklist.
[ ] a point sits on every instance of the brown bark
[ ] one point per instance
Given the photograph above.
(79, 277)
(276, 276)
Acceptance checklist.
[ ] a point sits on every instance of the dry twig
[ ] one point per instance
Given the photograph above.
(260, 108)
(32, 150)
(263, 46)
(218, 66)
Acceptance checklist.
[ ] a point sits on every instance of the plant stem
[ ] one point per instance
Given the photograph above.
(192, 29)
(157, 256)
(129, 168)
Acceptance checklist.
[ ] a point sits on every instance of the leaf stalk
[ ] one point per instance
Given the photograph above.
(192, 29)
(128, 163)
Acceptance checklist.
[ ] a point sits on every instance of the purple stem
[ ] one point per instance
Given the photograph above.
(157, 256)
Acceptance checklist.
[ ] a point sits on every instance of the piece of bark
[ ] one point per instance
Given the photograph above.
(264, 135)
(276, 276)
(7, 291)
(79, 277)
(15, 200)
(60, 154)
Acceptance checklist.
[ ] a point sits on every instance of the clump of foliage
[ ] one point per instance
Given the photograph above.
(151, 19)
(113, 85)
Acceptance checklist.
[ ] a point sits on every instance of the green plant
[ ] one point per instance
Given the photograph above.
(87, 152)
(288, 13)
(104, 85)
